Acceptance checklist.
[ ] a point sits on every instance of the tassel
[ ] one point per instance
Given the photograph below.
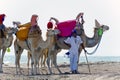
(8, 49)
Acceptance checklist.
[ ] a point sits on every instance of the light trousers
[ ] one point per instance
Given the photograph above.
(73, 61)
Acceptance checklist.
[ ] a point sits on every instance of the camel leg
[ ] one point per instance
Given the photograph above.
(55, 62)
(16, 49)
(45, 56)
(41, 59)
(29, 57)
(32, 64)
(48, 62)
(3, 53)
(1, 70)
(35, 67)
(37, 63)
(17, 59)
(28, 62)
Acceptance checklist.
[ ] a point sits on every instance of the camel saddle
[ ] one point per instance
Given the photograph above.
(23, 30)
(66, 27)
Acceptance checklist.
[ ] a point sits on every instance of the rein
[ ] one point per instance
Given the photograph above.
(90, 53)
(100, 33)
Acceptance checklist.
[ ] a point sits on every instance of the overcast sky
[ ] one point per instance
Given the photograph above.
(105, 11)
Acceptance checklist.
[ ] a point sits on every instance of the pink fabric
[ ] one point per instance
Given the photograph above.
(34, 20)
(66, 27)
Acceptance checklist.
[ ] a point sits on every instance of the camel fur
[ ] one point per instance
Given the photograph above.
(5, 43)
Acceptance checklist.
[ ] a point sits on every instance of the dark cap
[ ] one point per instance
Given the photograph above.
(74, 31)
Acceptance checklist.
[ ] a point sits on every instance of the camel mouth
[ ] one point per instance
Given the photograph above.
(105, 27)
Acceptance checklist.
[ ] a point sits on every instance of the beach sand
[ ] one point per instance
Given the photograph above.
(99, 71)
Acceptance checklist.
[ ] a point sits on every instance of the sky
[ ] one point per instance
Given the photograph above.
(107, 12)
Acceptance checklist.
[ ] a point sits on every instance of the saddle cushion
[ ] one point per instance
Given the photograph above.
(22, 33)
(66, 27)
(28, 25)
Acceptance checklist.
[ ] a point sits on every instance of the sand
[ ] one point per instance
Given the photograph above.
(99, 71)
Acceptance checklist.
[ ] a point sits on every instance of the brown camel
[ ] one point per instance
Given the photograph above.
(88, 41)
(37, 46)
(20, 45)
(5, 43)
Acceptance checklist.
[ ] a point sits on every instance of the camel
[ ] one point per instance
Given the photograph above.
(47, 52)
(20, 45)
(88, 42)
(37, 46)
(5, 43)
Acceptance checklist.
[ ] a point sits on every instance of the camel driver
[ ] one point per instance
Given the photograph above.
(75, 42)
(2, 26)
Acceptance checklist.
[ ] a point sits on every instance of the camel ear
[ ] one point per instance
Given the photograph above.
(97, 24)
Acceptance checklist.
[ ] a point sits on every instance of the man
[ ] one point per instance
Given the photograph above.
(2, 26)
(74, 41)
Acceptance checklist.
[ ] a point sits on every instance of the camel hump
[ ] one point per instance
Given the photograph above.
(34, 31)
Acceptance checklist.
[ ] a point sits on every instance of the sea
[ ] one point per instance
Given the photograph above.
(65, 59)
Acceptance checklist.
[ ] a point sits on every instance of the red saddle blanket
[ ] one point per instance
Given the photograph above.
(66, 27)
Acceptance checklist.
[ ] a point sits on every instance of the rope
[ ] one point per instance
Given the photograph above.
(87, 63)
(90, 53)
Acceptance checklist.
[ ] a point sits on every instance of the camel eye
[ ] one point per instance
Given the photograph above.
(102, 26)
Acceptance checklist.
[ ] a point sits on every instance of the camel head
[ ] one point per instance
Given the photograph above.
(51, 32)
(16, 23)
(11, 30)
(103, 27)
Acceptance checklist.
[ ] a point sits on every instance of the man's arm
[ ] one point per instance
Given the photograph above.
(67, 44)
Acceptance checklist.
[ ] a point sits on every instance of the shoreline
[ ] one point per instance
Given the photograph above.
(99, 71)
